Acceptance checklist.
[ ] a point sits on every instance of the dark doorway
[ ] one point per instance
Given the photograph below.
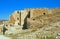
(25, 21)
(25, 24)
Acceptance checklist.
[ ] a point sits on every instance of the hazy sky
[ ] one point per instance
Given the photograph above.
(9, 6)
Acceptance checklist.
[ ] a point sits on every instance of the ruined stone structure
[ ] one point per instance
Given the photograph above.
(20, 17)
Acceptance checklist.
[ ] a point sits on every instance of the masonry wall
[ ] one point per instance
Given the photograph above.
(39, 11)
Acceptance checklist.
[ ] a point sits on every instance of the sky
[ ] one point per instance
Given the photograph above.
(7, 7)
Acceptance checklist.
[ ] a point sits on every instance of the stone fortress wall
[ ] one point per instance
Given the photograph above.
(19, 17)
